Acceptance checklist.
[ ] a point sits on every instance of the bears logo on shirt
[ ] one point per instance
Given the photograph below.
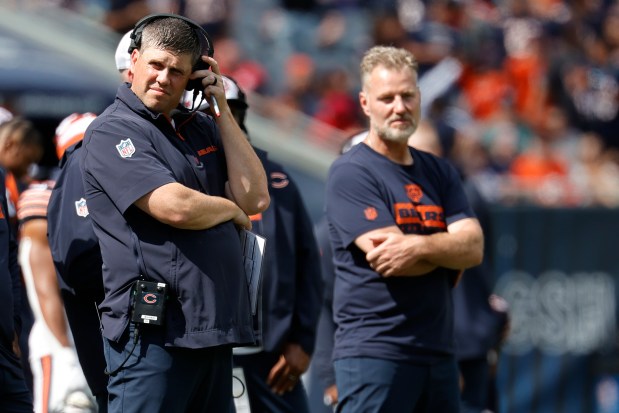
(125, 148)
(413, 192)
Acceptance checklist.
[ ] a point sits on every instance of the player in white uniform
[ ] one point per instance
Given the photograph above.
(59, 383)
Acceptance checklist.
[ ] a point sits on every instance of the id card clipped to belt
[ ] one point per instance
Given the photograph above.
(149, 299)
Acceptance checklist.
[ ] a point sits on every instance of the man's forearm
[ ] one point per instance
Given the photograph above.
(246, 175)
(459, 250)
(37, 262)
(185, 208)
(397, 254)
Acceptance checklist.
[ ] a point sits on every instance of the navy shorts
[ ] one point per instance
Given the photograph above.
(367, 385)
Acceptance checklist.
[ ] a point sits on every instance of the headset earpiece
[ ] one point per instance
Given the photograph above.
(206, 43)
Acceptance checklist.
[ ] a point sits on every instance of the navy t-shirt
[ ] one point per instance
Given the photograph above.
(128, 152)
(394, 318)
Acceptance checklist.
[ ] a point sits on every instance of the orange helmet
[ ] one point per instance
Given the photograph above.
(71, 130)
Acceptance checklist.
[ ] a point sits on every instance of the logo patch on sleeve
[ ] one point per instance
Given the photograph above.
(125, 148)
(370, 213)
(81, 208)
(279, 180)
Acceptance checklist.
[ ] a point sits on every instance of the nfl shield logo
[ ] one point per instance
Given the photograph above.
(81, 208)
(126, 148)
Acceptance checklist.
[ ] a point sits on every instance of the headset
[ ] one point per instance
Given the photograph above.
(206, 43)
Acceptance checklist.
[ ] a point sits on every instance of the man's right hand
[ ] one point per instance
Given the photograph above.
(330, 396)
(242, 220)
(392, 256)
(15, 343)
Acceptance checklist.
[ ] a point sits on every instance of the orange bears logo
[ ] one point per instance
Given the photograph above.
(413, 192)
(370, 213)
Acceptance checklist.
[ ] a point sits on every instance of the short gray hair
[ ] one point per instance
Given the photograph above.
(387, 56)
(173, 35)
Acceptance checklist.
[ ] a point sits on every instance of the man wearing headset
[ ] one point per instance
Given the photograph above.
(167, 190)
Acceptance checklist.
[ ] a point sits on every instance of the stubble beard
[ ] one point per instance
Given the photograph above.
(396, 135)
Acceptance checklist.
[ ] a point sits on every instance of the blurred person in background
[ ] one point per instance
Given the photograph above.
(540, 171)
(336, 106)
(398, 252)
(480, 322)
(21, 146)
(299, 89)
(250, 74)
(323, 390)
(123, 58)
(58, 381)
(15, 396)
(5, 115)
(291, 289)
(121, 15)
(212, 15)
(76, 255)
(595, 172)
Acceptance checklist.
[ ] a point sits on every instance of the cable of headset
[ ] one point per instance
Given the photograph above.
(136, 336)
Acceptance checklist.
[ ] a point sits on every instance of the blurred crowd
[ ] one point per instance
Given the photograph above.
(524, 93)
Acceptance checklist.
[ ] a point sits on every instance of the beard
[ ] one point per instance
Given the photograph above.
(396, 135)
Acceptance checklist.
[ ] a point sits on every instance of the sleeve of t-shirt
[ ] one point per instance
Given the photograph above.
(125, 166)
(455, 202)
(354, 204)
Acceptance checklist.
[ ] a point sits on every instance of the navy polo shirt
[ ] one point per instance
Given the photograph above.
(291, 290)
(394, 318)
(128, 152)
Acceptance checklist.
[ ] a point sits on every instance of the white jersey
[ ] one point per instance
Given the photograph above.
(59, 383)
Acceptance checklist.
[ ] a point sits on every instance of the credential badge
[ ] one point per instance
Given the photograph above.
(81, 208)
(126, 148)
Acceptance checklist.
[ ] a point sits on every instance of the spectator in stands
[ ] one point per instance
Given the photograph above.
(121, 15)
